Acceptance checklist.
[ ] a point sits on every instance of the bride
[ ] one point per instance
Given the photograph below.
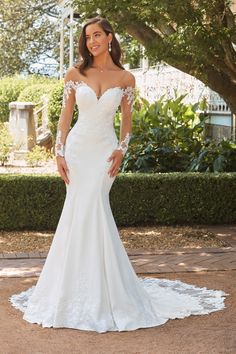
(87, 281)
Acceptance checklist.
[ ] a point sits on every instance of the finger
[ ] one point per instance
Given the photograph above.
(111, 168)
(114, 170)
(110, 158)
(63, 170)
(115, 173)
(64, 176)
(65, 167)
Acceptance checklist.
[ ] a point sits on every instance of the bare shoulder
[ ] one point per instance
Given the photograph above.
(72, 73)
(129, 78)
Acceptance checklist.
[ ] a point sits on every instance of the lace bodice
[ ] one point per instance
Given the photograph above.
(96, 114)
(74, 85)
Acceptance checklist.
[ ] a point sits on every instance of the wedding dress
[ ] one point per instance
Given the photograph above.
(87, 281)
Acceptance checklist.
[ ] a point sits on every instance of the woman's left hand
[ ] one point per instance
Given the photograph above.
(117, 157)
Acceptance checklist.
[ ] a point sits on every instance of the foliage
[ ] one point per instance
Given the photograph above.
(27, 33)
(9, 91)
(215, 157)
(136, 199)
(34, 93)
(197, 37)
(165, 134)
(37, 156)
(131, 51)
(6, 143)
(54, 108)
(12, 87)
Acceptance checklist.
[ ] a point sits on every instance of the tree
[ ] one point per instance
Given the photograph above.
(197, 37)
(26, 33)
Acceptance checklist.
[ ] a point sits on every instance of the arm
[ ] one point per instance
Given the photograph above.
(126, 125)
(64, 124)
(65, 119)
(126, 111)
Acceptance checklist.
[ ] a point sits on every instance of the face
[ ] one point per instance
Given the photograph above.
(97, 40)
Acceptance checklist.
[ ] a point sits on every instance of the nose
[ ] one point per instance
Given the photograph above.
(92, 40)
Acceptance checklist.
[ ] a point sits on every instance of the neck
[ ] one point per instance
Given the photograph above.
(103, 61)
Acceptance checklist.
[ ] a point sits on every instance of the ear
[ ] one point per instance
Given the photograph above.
(110, 36)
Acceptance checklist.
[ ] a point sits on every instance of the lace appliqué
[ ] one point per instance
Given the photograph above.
(59, 146)
(161, 300)
(196, 300)
(123, 145)
(68, 87)
(129, 92)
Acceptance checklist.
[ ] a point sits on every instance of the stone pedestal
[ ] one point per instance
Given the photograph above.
(22, 127)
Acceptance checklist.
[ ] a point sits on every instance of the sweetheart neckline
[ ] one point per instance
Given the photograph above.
(98, 97)
(71, 84)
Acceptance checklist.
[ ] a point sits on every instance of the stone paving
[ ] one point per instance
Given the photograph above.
(143, 261)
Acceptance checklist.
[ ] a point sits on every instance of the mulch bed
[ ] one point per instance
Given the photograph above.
(148, 237)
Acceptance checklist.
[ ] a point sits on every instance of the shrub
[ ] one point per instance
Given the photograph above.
(37, 156)
(34, 93)
(36, 201)
(11, 87)
(165, 134)
(6, 144)
(215, 157)
(54, 109)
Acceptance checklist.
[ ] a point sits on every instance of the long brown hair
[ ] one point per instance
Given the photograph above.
(87, 59)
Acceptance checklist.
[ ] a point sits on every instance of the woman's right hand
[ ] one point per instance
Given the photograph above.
(62, 168)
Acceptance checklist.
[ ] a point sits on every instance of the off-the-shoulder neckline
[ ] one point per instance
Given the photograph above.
(81, 82)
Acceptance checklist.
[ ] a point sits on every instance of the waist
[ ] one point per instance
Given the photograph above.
(94, 129)
(95, 134)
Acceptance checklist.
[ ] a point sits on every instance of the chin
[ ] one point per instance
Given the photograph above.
(95, 54)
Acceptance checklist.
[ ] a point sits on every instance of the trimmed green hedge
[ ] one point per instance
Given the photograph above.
(34, 202)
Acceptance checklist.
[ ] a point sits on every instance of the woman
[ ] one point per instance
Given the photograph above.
(87, 281)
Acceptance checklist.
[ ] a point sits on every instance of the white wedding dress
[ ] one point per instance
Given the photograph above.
(87, 281)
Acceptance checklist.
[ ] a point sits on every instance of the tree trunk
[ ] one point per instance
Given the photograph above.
(219, 76)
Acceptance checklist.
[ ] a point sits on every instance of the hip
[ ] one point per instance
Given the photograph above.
(89, 146)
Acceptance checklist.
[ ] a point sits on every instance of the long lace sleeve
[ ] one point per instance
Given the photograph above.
(126, 123)
(65, 119)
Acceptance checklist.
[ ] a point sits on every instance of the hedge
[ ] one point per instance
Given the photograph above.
(34, 93)
(55, 106)
(11, 88)
(34, 202)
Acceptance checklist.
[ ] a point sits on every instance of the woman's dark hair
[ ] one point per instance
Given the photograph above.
(87, 59)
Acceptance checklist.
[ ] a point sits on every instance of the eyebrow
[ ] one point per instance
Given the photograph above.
(87, 35)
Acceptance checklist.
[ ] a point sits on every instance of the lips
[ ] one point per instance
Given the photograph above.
(95, 47)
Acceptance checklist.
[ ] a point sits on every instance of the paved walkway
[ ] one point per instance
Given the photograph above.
(144, 261)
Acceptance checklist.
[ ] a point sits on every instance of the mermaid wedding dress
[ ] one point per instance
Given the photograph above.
(87, 281)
